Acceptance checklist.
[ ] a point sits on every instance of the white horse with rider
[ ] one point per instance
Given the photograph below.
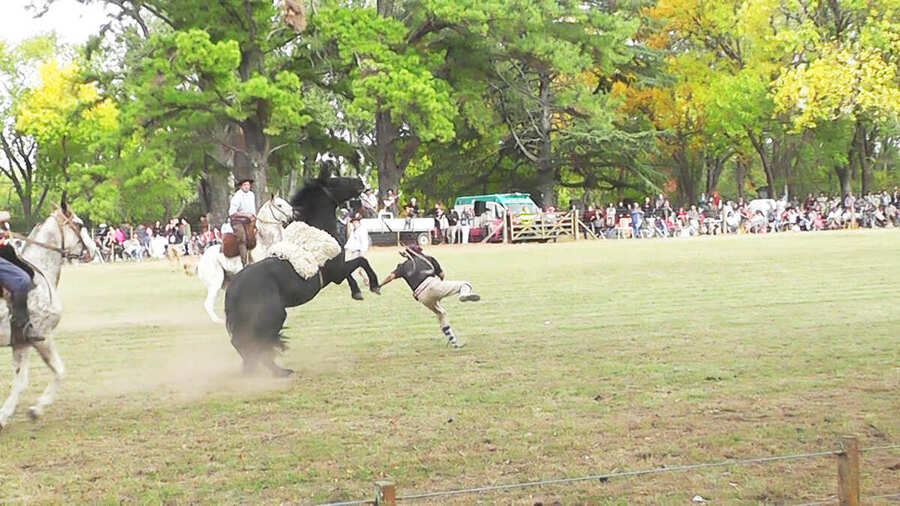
(60, 237)
(215, 269)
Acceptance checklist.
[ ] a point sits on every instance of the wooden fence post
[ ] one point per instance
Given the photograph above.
(385, 494)
(848, 472)
(575, 223)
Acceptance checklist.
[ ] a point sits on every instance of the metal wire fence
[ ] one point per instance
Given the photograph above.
(391, 498)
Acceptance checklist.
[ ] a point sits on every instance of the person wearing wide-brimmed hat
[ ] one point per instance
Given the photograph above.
(242, 212)
(425, 277)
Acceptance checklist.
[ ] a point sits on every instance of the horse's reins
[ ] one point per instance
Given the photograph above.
(28, 240)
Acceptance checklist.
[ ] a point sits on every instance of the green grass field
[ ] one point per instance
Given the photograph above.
(582, 358)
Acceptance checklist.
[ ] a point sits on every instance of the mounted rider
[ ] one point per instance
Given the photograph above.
(242, 212)
(16, 278)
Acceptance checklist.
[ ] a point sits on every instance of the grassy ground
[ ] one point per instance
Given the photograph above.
(583, 358)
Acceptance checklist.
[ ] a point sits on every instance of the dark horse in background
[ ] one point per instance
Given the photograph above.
(258, 295)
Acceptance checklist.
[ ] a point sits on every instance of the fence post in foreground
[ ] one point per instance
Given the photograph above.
(385, 494)
(848, 472)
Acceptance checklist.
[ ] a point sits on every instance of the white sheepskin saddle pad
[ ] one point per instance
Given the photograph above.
(306, 248)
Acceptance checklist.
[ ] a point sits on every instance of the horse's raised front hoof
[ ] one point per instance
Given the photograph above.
(34, 413)
(376, 290)
(357, 295)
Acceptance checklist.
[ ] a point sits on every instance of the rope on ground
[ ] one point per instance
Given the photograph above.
(623, 474)
(349, 503)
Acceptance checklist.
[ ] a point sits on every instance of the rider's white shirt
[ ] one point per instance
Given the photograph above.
(242, 202)
(357, 239)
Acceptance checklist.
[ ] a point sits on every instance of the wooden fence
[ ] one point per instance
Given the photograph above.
(848, 482)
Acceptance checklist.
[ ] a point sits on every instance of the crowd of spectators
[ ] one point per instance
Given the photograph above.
(652, 217)
(655, 217)
(130, 242)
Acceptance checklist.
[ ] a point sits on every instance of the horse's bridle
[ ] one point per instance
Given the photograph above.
(289, 217)
(65, 221)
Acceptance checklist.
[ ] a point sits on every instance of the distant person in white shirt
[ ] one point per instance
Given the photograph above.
(242, 213)
(369, 203)
(357, 242)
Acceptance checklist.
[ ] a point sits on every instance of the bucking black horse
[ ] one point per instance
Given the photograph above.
(256, 298)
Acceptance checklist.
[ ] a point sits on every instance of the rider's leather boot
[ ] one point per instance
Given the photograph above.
(21, 329)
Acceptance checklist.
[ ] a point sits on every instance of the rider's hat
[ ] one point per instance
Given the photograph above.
(244, 180)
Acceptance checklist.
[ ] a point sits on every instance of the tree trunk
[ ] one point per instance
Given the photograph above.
(843, 174)
(253, 161)
(860, 150)
(715, 164)
(739, 170)
(758, 144)
(389, 172)
(216, 192)
(546, 174)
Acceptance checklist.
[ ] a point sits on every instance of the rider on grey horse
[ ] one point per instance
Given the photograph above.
(16, 278)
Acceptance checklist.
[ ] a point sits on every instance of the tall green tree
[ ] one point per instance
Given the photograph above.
(18, 150)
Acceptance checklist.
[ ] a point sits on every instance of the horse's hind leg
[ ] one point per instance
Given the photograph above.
(20, 381)
(268, 359)
(47, 351)
(249, 357)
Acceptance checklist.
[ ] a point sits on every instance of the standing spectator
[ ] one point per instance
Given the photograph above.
(357, 242)
(142, 236)
(465, 223)
(390, 201)
(186, 227)
(411, 211)
(637, 218)
(369, 203)
(452, 226)
(440, 224)
(590, 219)
(658, 203)
(610, 219)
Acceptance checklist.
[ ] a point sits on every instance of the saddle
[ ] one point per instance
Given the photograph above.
(7, 252)
(230, 241)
